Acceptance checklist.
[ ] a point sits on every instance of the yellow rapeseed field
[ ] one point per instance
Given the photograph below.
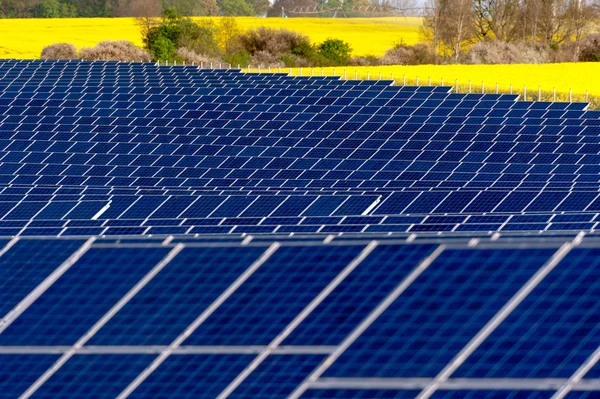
(25, 38)
(580, 77)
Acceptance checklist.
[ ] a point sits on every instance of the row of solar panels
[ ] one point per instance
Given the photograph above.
(389, 316)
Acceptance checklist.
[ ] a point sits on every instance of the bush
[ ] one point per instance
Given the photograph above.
(496, 52)
(190, 57)
(238, 57)
(335, 51)
(402, 54)
(367, 60)
(589, 49)
(273, 41)
(119, 50)
(59, 51)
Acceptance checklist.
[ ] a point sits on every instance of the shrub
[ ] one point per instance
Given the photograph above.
(162, 49)
(191, 57)
(119, 50)
(335, 51)
(59, 51)
(238, 57)
(589, 49)
(403, 54)
(274, 41)
(496, 52)
(367, 60)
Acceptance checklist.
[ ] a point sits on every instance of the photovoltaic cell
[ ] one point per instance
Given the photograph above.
(373, 279)
(539, 341)
(93, 376)
(271, 298)
(192, 376)
(97, 281)
(165, 307)
(18, 372)
(26, 264)
(277, 376)
(359, 394)
(438, 313)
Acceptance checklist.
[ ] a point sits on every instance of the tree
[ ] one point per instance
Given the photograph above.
(138, 8)
(337, 51)
(260, 7)
(228, 31)
(449, 24)
(235, 7)
(54, 9)
(192, 7)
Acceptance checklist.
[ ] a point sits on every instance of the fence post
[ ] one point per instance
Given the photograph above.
(167, 62)
(554, 96)
(525, 93)
(290, 71)
(469, 87)
(429, 83)
(539, 93)
(380, 75)
(183, 63)
(417, 83)
(586, 96)
(345, 74)
(570, 95)
(404, 80)
(258, 67)
(279, 69)
(269, 68)
(312, 71)
(322, 72)
(368, 75)
(211, 65)
(221, 66)
(496, 87)
(482, 88)
(175, 63)
(456, 82)
(238, 67)
(511, 89)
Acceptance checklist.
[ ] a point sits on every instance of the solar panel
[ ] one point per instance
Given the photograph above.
(187, 232)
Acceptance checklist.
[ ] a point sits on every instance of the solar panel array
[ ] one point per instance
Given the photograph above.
(176, 232)
(106, 148)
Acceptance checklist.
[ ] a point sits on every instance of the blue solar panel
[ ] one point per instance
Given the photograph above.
(18, 372)
(93, 376)
(277, 376)
(359, 394)
(26, 264)
(505, 394)
(62, 314)
(439, 313)
(539, 341)
(192, 376)
(352, 300)
(271, 298)
(176, 296)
